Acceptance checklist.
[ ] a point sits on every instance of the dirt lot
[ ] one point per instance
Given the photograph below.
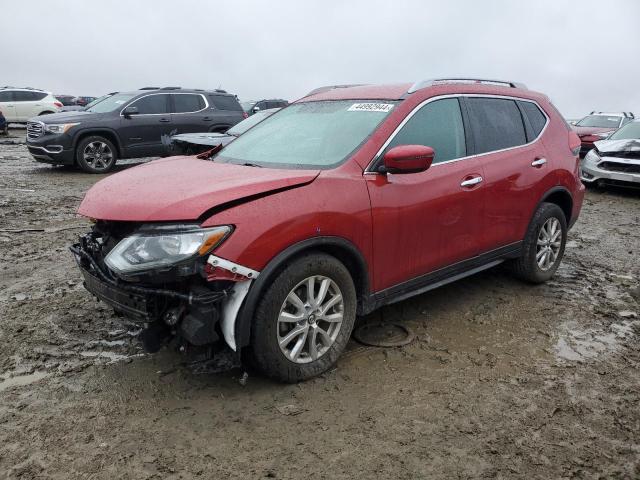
(504, 380)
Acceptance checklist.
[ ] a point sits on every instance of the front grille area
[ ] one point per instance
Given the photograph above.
(620, 167)
(34, 130)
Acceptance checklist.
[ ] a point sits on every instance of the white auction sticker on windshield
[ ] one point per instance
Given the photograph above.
(370, 107)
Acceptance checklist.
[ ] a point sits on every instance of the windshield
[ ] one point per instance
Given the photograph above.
(631, 131)
(307, 135)
(111, 103)
(245, 125)
(599, 121)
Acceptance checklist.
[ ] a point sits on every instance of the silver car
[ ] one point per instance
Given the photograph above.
(615, 160)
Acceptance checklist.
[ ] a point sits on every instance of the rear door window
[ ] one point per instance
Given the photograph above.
(496, 124)
(225, 102)
(20, 96)
(437, 125)
(186, 103)
(536, 118)
(152, 104)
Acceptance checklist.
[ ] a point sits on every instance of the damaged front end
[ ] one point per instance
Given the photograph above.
(165, 278)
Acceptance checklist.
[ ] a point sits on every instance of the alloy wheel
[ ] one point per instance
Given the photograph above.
(98, 155)
(310, 319)
(549, 243)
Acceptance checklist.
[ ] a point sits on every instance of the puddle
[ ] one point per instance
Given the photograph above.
(21, 380)
(577, 345)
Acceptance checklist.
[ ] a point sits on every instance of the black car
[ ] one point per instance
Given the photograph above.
(128, 125)
(196, 143)
(254, 106)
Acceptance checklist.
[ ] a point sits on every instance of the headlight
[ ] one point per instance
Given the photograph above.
(163, 248)
(592, 156)
(58, 127)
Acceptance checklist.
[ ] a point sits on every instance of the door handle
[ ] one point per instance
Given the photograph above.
(538, 162)
(471, 182)
(164, 120)
(206, 119)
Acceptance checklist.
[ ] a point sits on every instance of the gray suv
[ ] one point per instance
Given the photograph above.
(128, 125)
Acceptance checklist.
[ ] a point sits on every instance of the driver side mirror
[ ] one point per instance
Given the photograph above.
(130, 111)
(407, 159)
(256, 109)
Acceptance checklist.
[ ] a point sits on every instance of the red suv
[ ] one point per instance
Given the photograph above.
(348, 199)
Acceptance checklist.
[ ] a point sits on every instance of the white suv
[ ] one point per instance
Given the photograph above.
(20, 104)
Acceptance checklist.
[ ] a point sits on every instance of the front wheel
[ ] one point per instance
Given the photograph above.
(305, 319)
(543, 246)
(96, 154)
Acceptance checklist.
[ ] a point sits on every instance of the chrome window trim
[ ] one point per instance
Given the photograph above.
(206, 103)
(459, 95)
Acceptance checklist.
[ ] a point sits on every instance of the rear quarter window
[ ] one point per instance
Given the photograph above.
(536, 118)
(496, 123)
(225, 102)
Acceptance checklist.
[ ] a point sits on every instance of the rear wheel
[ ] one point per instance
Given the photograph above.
(305, 319)
(544, 245)
(96, 154)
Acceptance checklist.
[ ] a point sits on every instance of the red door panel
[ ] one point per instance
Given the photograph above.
(513, 188)
(424, 221)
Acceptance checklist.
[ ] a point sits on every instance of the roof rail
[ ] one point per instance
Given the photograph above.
(332, 87)
(220, 90)
(150, 88)
(171, 88)
(434, 81)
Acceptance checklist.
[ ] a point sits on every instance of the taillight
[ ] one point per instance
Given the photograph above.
(574, 143)
(57, 104)
(245, 115)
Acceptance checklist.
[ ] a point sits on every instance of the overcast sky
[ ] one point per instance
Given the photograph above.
(584, 54)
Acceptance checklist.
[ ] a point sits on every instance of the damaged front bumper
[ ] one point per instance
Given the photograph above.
(196, 311)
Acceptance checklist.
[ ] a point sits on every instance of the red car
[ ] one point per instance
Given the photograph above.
(598, 126)
(348, 199)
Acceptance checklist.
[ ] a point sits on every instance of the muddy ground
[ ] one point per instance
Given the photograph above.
(504, 380)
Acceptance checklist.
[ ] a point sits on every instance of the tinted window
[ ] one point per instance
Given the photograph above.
(20, 96)
(536, 118)
(151, 104)
(225, 102)
(6, 96)
(188, 103)
(496, 124)
(437, 125)
(38, 95)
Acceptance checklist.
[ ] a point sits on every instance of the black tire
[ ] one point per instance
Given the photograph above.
(102, 162)
(526, 267)
(265, 349)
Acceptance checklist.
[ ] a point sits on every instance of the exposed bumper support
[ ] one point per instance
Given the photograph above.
(231, 305)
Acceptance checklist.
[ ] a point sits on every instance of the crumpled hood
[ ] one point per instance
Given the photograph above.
(628, 145)
(182, 188)
(582, 131)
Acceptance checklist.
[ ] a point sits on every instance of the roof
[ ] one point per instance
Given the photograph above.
(401, 91)
(364, 92)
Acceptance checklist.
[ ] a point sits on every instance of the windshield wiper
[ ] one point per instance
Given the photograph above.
(252, 165)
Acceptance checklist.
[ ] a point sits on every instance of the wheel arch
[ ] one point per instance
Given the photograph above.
(104, 132)
(559, 196)
(338, 247)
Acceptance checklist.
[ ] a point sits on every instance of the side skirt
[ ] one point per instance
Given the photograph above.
(440, 277)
